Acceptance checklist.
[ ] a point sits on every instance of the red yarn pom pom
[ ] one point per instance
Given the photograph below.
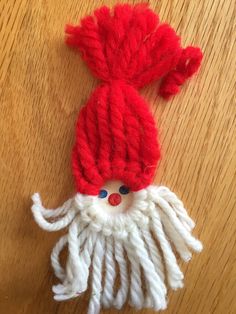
(130, 44)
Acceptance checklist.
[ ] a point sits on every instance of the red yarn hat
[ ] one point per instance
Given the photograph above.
(116, 137)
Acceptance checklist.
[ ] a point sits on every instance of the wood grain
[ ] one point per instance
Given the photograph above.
(43, 85)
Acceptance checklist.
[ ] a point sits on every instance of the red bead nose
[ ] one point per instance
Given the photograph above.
(114, 199)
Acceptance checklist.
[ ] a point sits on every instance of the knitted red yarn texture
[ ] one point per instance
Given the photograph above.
(126, 48)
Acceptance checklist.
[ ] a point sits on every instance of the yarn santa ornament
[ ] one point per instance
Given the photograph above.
(121, 228)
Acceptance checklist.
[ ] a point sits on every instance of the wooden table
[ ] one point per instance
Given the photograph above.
(43, 86)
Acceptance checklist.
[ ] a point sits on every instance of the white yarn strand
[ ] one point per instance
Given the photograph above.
(64, 291)
(155, 283)
(175, 238)
(86, 255)
(73, 283)
(110, 274)
(136, 292)
(177, 205)
(74, 244)
(122, 293)
(188, 238)
(174, 274)
(58, 270)
(40, 213)
(53, 213)
(154, 254)
(95, 300)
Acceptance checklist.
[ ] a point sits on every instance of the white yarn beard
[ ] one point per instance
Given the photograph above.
(138, 242)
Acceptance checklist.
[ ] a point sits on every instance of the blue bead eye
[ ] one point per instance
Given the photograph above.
(124, 189)
(102, 194)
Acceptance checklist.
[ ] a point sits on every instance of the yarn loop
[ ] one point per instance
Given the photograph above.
(189, 63)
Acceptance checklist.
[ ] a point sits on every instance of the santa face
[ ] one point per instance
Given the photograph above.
(115, 210)
(115, 197)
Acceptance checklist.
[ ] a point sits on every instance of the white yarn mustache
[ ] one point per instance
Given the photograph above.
(140, 240)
